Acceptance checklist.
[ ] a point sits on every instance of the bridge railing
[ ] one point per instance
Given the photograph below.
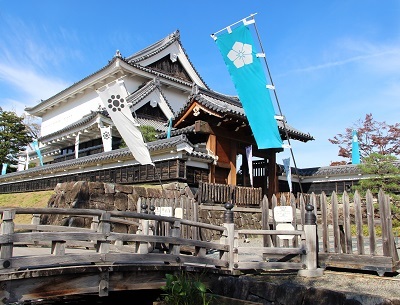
(30, 246)
(36, 246)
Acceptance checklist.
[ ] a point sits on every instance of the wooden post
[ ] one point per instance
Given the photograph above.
(35, 221)
(272, 174)
(176, 232)
(229, 237)
(58, 247)
(143, 246)
(310, 230)
(265, 221)
(7, 227)
(105, 228)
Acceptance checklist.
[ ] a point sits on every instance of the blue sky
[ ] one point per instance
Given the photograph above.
(332, 62)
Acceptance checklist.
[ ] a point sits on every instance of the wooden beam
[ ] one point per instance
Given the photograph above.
(212, 146)
(272, 178)
(232, 157)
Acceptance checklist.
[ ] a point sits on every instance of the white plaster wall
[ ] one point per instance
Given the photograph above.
(133, 83)
(69, 112)
(176, 98)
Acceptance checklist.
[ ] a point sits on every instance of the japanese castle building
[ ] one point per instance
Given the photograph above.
(209, 129)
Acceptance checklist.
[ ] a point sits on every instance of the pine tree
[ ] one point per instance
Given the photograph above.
(14, 136)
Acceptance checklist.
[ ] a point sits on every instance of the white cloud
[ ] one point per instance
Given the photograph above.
(29, 60)
(30, 82)
(375, 57)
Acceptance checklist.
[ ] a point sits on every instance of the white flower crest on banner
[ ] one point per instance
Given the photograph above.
(240, 54)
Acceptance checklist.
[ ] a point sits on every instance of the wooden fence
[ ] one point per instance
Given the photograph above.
(353, 234)
(222, 193)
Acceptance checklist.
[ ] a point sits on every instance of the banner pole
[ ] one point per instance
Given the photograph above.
(250, 16)
(279, 107)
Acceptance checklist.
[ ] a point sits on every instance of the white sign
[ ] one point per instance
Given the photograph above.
(157, 211)
(285, 226)
(283, 213)
(166, 211)
(179, 213)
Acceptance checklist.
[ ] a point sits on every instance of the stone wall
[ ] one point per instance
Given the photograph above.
(279, 289)
(109, 196)
(106, 196)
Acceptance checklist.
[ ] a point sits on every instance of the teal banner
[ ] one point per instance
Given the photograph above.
(247, 73)
(355, 150)
(35, 145)
(4, 169)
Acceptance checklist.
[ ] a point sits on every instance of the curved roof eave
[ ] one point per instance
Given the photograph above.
(87, 120)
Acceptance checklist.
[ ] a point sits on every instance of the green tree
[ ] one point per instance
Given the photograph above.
(383, 173)
(149, 133)
(14, 136)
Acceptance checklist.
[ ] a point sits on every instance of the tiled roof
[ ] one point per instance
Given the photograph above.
(158, 125)
(89, 118)
(162, 75)
(156, 48)
(138, 95)
(225, 104)
(122, 153)
(179, 131)
(348, 169)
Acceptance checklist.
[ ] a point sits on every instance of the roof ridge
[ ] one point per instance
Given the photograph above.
(154, 48)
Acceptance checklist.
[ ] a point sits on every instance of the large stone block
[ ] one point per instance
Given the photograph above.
(121, 201)
(132, 202)
(108, 199)
(140, 191)
(264, 290)
(290, 294)
(323, 296)
(109, 188)
(97, 187)
(127, 189)
(154, 193)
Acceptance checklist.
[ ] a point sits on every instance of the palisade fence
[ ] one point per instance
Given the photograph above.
(353, 233)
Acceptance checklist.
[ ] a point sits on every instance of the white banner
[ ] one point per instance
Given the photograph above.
(21, 164)
(288, 171)
(113, 97)
(27, 159)
(106, 136)
(249, 155)
(77, 145)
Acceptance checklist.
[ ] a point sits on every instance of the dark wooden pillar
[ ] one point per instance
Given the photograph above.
(272, 177)
(245, 170)
(212, 146)
(232, 163)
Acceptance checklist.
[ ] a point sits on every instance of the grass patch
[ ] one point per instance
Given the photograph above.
(25, 200)
(378, 230)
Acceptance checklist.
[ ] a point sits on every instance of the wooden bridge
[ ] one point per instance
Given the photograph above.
(42, 261)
